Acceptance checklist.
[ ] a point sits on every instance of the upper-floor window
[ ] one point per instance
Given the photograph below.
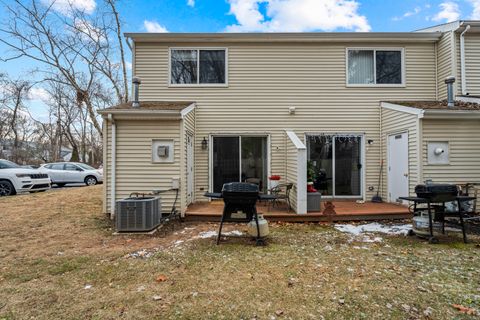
(375, 67)
(198, 66)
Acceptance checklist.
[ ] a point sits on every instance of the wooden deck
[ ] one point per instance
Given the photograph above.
(346, 211)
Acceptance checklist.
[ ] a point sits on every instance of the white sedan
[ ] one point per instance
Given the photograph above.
(62, 173)
(15, 179)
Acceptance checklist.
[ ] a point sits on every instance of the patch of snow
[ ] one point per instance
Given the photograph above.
(211, 234)
(142, 253)
(178, 242)
(366, 238)
(398, 229)
(207, 234)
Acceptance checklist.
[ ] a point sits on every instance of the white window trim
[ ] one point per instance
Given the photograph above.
(198, 84)
(375, 85)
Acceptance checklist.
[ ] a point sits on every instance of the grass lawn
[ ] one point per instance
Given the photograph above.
(59, 260)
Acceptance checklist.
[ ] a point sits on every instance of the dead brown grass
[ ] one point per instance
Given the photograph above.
(54, 244)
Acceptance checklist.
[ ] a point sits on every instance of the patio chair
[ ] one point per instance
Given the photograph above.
(281, 192)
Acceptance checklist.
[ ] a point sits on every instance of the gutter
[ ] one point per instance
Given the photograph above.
(451, 114)
(299, 37)
(462, 60)
(114, 164)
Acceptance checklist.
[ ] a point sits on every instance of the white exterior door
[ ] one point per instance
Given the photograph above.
(189, 169)
(397, 166)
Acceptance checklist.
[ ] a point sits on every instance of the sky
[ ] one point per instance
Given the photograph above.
(264, 16)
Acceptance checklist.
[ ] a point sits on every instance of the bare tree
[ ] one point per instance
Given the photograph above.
(13, 96)
(73, 49)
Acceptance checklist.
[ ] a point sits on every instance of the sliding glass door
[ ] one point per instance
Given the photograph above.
(239, 158)
(226, 162)
(335, 164)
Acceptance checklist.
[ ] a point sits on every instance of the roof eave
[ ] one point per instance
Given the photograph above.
(142, 114)
(147, 113)
(286, 37)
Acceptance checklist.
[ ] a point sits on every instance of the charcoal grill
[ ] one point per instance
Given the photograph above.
(240, 201)
(437, 193)
(435, 196)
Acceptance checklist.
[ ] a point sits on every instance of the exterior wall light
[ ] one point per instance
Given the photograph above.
(204, 144)
(370, 141)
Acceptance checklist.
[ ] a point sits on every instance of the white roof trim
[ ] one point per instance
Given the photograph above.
(468, 99)
(295, 140)
(451, 114)
(187, 110)
(400, 108)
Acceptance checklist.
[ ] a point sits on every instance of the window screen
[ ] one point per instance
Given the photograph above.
(212, 66)
(184, 66)
(389, 67)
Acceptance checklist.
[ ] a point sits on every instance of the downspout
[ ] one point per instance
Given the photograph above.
(462, 60)
(113, 167)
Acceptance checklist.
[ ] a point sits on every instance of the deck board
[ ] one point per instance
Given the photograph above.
(346, 211)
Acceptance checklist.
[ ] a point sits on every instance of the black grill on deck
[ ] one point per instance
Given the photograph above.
(240, 197)
(437, 192)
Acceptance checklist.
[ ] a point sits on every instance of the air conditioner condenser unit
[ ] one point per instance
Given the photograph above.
(138, 214)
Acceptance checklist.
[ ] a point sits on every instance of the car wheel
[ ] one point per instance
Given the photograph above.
(6, 188)
(90, 181)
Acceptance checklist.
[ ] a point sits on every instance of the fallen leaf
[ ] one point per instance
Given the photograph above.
(464, 310)
(161, 278)
(279, 312)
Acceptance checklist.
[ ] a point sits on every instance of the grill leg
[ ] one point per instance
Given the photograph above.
(221, 225)
(460, 213)
(430, 222)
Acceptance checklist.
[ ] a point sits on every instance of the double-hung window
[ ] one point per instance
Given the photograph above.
(375, 67)
(198, 66)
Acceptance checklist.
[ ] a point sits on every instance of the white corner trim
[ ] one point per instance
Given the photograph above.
(462, 60)
(296, 140)
(113, 168)
(400, 108)
(187, 110)
(301, 181)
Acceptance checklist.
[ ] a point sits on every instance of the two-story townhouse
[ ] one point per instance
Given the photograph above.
(215, 108)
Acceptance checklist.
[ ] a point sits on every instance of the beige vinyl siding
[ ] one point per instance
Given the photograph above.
(265, 79)
(444, 63)
(291, 162)
(395, 122)
(135, 171)
(472, 63)
(463, 137)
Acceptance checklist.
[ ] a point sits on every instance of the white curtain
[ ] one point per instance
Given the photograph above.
(360, 67)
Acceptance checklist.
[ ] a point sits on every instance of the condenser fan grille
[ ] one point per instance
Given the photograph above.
(138, 214)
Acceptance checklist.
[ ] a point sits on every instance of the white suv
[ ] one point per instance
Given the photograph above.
(62, 173)
(14, 179)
